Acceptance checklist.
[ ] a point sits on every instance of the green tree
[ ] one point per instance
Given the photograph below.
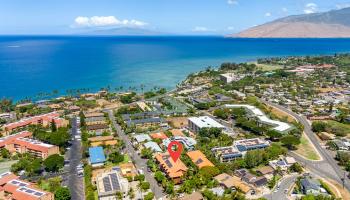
(53, 126)
(274, 135)
(290, 141)
(53, 163)
(149, 196)
(5, 153)
(62, 193)
(296, 167)
(145, 185)
(221, 113)
(208, 172)
(254, 158)
(159, 176)
(116, 157)
(146, 153)
(119, 195)
(318, 126)
(210, 132)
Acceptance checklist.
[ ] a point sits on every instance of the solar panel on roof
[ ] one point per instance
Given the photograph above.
(199, 161)
(167, 162)
(115, 182)
(22, 184)
(107, 184)
(30, 191)
(15, 182)
(38, 194)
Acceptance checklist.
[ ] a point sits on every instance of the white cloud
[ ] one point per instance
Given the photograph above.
(268, 14)
(284, 10)
(101, 21)
(202, 29)
(232, 2)
(341, 6)
(230, 28)
(310, 8)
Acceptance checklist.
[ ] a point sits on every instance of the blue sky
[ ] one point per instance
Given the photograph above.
(176, 16)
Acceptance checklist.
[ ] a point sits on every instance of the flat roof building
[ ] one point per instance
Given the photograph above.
(226, 154)
(251, 144)
(97, 156)
(34, 147)
(12, 188)
(109, 183)
(256, 112)
(197, 123)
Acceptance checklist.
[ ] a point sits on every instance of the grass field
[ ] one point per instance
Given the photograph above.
(280, 114)
(266, 67)
(306, 149)
(337, 128)
(5, 166)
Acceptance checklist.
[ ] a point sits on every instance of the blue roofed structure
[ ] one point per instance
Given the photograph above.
(97, 156)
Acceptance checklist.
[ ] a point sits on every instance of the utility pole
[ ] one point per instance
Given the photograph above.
(343, 180)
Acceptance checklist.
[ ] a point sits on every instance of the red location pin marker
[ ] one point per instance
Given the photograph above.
(175, 154)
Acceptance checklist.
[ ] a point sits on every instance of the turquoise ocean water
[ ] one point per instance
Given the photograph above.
(30, 65)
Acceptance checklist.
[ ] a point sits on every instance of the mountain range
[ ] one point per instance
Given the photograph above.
(331, 24)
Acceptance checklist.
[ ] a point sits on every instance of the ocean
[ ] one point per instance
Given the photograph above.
(36, 66)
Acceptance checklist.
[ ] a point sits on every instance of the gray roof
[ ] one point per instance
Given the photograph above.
(153, 146)
(308, 183)
(144, 121)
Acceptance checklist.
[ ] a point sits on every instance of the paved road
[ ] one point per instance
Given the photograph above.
(285, 184)
(328, 168)
(72, 180)
(139, 162)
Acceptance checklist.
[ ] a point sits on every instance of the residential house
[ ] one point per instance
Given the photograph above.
(230, 182)
(177, 132)
(311, 186)
(142, 138)
(187, 142)
(109, 183)
(173, 170)
(159, 135)
(97, 156)
(128, 169)
(247, 177)
(199, 159)
(153, 146)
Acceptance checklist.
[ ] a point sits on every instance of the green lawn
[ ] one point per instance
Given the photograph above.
(306, 149)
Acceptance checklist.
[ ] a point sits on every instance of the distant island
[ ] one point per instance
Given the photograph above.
(331, 24)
